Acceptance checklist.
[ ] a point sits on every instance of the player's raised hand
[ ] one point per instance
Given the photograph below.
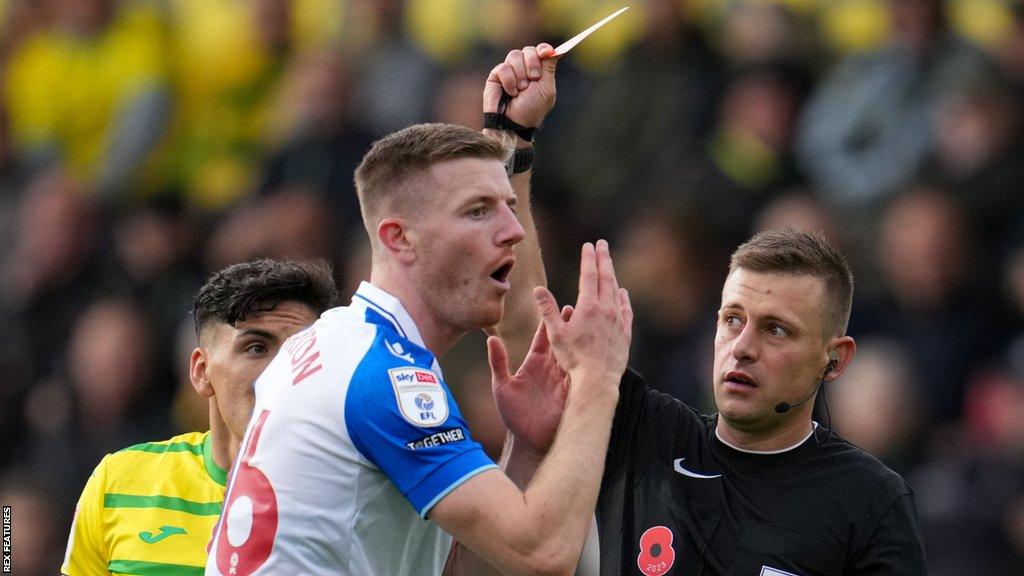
(530, 402)
(528, 76)
(594, 342)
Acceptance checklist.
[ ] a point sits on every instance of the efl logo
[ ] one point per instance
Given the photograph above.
(424, 402)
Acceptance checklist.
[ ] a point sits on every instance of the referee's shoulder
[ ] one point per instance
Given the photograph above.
(650, 405)
(864, 468)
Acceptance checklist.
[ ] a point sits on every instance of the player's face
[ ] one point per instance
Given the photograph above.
(465, 238)
(237, 355)
(769, 347)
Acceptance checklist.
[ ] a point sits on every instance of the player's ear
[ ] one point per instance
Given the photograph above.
(398, 239)
(197, 372)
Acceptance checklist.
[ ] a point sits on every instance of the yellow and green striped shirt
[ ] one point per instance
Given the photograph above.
(148, 510)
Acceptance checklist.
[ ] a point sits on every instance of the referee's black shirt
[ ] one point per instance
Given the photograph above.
(676, 500)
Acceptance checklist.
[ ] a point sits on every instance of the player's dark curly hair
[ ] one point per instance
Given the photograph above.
(235, 292)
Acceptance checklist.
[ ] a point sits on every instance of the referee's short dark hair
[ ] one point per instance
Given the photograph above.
(235, 292)
(797, 252)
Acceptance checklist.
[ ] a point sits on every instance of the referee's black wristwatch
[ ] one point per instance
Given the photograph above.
(521, 161)
(522, 158)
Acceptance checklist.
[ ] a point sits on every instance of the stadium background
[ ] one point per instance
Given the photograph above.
(146, 143)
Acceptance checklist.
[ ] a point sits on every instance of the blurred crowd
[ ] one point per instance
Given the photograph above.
(146, 143)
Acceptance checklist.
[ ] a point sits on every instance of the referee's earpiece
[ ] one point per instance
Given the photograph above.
(833, 363)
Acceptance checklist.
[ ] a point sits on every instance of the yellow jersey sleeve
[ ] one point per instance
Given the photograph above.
(87, 550)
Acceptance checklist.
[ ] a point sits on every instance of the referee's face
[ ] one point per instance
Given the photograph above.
(769, 348)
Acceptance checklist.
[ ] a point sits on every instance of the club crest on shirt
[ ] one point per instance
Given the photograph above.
(421, 399)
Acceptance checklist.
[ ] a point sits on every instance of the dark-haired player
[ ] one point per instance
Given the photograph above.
(150, 508)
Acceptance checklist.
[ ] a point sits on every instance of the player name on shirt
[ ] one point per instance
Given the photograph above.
(304, 355)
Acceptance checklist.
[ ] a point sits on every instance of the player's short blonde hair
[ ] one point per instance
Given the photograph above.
(384, 175)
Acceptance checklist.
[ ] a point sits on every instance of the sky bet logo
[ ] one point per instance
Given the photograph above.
(416, 376)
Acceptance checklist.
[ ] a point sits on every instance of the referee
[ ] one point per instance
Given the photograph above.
(758, 489)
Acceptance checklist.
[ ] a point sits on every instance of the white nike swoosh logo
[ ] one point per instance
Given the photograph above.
(677, 464)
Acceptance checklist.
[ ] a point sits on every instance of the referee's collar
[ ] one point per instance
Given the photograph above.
(764, 460)
(814, 426)
(388, 310)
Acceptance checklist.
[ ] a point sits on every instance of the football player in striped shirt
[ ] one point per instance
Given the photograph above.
(150, 508)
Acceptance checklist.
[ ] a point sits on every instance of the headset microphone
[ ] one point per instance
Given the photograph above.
(783, 407)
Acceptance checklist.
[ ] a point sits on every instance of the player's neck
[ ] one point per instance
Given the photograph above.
(223, 447)
(778, 439)
(437, 336)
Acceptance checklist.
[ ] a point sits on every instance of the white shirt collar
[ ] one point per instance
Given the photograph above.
(390, 308)
(767, 452)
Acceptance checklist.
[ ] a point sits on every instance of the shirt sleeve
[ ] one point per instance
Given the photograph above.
(412, 430)
(86, 551)
(628, 416)
(896, 546)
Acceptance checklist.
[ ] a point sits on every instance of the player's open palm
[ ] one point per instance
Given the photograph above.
(531, 401)
(593, 345)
